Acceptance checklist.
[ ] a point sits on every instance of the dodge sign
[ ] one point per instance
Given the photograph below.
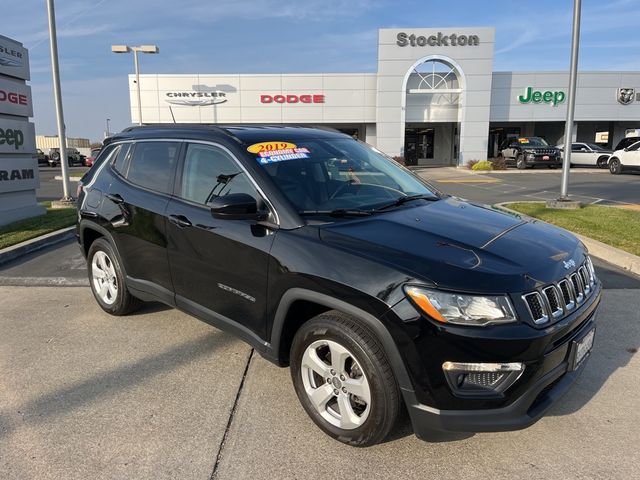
(15, 98)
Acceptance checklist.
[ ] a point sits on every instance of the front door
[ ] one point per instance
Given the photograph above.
(219, 267)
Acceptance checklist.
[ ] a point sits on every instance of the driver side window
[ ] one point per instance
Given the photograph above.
(209, 172)
(634, 147)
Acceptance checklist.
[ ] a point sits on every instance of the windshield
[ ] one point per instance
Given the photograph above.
(326, 175)
(534, 141)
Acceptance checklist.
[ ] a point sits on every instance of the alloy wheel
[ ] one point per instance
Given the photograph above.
(103, 276)
(336, 384)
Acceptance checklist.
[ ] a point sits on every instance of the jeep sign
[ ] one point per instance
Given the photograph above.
(14, 59)
(536, 96)
(15, 98)
(16, 137)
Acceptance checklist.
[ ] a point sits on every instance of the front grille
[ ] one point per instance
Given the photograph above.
(536, 307)
(558, 299)
(551, 294)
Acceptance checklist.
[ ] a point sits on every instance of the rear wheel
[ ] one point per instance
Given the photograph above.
(615, 167)
(343, 379)
(602, 162)
(107, 280)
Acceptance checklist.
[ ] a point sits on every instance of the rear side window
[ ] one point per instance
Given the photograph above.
(210, 172)
(118, 163)
(152, 165)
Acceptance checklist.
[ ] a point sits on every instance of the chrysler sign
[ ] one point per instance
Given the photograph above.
(195, 99)
(14, 59)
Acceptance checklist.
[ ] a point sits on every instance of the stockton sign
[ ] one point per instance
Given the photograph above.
(452, 40)
(536, 96)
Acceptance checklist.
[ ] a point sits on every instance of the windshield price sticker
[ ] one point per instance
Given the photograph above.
(282, 155)
(265, 147)
(523, 140)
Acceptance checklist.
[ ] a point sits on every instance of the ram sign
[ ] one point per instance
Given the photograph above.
(18, 174)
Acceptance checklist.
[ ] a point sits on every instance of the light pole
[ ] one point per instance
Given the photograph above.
(55, 71)
(135, 50)
(107, 133)
(573, 75)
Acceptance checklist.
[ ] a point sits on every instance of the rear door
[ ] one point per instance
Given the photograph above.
(581, 154)
(138, 197)
(219, 267)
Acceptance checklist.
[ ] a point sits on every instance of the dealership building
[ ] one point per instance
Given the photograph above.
(435, 99)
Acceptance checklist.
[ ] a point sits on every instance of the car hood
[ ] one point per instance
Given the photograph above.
(459, 245)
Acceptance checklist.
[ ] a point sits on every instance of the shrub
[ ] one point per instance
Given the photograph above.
(499, 163)
(471, 164)
(482, 165)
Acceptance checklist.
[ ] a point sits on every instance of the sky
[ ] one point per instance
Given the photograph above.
(273, 36)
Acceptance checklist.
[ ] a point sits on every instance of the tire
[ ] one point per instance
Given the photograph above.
(106, 278)
(602, 162)
(521, 164)
(615, 167)
(55, 155)
(364, 369)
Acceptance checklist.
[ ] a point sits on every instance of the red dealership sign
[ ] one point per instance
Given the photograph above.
(289, 98)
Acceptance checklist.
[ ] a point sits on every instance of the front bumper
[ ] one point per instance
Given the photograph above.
(539, 160)
(548, 355)
(523, 412)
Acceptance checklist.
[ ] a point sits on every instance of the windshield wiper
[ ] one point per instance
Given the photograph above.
(339, 212)
(408, 198)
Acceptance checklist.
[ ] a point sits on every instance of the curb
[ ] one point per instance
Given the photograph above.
(11, 253)
(624, 260)
(72, 179)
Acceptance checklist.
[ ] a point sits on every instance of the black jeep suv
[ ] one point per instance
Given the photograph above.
(525, 152)
(376, 289)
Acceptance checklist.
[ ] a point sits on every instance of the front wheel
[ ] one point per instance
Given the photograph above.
(520, 162)
(343, 379)
(602, 162)
(107, 280)
(615, 167)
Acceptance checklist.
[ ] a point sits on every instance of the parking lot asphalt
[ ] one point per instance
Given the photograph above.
(50, 188)
(587, 185)
(161, 395)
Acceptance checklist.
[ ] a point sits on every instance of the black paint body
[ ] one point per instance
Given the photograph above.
(257, 279)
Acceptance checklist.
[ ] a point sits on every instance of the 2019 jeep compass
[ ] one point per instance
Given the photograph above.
(375, 288)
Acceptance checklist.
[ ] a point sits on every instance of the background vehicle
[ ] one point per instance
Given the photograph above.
(627, 159)
(43, 160)
(88, 161)
(526, 152)
(626, 142)
(588, 154)
(375, 288)
(74, 157)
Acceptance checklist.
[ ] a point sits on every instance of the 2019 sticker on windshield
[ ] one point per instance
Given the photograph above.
(271, 152)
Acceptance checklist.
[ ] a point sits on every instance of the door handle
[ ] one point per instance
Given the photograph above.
(115, 198)
(180, 221)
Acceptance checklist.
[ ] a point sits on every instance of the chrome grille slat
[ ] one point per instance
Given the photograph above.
(559, 298)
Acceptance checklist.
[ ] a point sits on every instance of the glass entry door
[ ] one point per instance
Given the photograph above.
(418, 145)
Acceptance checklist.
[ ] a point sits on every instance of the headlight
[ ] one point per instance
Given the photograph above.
(530, 152)
(462, 309)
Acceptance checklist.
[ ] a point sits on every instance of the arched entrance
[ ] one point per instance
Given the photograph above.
(432, 111)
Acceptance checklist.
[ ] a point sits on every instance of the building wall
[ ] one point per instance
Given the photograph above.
(45, 142)
(348, 98)
(475, 64)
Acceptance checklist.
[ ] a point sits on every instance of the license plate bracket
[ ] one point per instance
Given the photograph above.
(581, 349)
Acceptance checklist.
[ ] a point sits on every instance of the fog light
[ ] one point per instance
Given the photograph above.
(481, 378)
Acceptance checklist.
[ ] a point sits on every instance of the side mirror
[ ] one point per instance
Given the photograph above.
(583, 149)
(235, 206)
(626, 149)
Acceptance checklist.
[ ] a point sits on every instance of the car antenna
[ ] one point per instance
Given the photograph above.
(171, 110)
